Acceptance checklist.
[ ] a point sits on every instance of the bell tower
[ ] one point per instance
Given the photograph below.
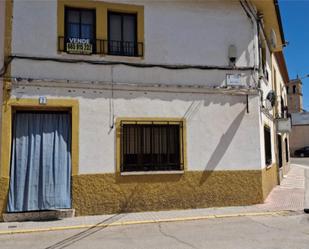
(295, 95)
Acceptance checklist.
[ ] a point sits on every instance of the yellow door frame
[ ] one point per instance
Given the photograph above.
(33, 104)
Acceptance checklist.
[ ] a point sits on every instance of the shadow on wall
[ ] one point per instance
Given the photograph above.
(222, 146)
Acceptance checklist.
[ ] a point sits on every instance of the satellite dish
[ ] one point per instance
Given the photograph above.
(271, 97)
(273, 39)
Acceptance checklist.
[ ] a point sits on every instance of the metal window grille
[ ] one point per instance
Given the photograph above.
(267, 141)
(102, 47)
(151, 147)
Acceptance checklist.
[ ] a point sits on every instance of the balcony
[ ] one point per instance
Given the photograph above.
(102, 47)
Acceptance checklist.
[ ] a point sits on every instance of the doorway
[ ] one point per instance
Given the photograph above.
(279, 155)
(40, 176)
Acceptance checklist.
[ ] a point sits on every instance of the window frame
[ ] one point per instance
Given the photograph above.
(101, 35)
(94, 13)
(146, 121)
(122, 14)
(268, 152)
(287, 151)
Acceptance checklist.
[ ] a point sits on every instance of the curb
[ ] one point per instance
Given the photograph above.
(139, 222)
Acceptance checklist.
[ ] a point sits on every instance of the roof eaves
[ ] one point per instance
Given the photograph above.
(279, 20)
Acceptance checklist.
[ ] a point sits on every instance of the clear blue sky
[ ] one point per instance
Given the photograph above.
(295, 18)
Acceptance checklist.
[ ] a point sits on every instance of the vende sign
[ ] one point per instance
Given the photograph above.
(79, 46)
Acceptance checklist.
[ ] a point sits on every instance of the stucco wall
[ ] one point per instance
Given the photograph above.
(97, 194)
(2, 34)
(281, 93)
(299, 137)
(267, 117)
(4, 185)
(269, 179)
(202, 33)
(2, 21)
(219, 130)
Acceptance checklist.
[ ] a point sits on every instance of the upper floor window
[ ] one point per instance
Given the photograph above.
(79, 30)
(294, 89)
(122, 34)
(90, 27)
(287, 89)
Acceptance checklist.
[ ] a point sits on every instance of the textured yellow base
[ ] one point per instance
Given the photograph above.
(269, 180)
(109, 193)
(4, 186)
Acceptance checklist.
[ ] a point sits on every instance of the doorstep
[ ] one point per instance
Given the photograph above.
(56, 214)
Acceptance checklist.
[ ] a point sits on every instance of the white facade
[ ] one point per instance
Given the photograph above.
(2, 41)
(218, 127)
(197, 142)
(217, 25)
(221, 134)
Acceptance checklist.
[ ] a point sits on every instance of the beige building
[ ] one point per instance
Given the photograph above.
(295, 95)
(299, 136)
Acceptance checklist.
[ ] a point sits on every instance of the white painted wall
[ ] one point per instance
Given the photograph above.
(220, 134)
(280, 89)
(176, 32)
(2, 31)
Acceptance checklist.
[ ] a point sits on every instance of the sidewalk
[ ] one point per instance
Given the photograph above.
(287, 197)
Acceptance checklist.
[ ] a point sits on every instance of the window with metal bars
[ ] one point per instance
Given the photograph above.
(151, 147)
(267, 141)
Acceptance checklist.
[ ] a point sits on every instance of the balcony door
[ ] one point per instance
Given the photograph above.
(122, 34)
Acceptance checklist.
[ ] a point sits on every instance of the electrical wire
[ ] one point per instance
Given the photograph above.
(4, 69)
(130, 64)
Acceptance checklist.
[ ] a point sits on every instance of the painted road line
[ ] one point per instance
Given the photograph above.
(139, 222)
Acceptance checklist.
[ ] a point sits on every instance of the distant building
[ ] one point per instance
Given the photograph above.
(295, 96)
(299, 136)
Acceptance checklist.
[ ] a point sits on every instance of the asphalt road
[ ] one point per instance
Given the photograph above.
(263, 232)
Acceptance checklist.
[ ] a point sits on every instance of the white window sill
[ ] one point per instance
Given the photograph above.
(135, 173)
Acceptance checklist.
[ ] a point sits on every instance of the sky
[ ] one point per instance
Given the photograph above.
(295, 18)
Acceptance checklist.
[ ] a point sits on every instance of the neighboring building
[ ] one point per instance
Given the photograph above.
(299, 137)
(122, 106)
(300, 118)
(295, 95)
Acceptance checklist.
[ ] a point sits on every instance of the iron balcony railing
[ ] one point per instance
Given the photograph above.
(105, 47)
